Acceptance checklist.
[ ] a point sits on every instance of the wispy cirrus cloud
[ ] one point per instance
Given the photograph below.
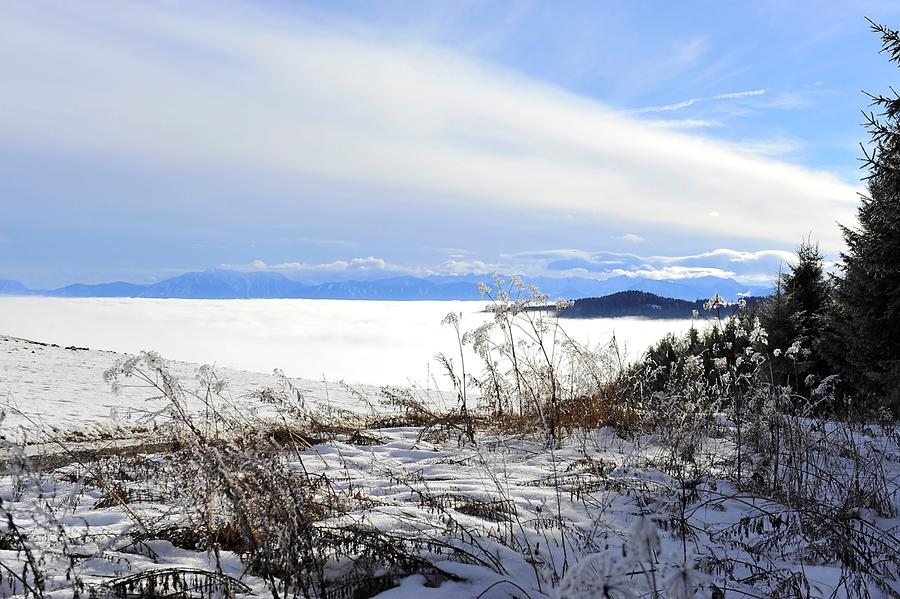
(743, 94)
(692, 101)
(667, 107)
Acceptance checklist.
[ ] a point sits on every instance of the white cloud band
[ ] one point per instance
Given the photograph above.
(397, 120)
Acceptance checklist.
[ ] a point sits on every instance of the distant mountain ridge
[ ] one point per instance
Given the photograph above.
(9, 287)
(228, 284)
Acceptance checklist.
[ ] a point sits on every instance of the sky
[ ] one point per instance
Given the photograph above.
(327, 141)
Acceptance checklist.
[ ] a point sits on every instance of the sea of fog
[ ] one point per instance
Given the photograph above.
(372, 342)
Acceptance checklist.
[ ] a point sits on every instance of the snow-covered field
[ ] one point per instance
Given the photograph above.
(504, 517)
(357, 341)
(47, 389)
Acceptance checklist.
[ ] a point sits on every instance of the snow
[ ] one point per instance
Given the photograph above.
(51, 390)
(379, 343)
(601, 504)
(626, 509)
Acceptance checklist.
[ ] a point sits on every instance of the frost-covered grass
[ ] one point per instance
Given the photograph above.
(298, 497)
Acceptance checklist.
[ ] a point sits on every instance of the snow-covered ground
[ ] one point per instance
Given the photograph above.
(601, 511)
(532, 514)
(357, 341)
(47, 389)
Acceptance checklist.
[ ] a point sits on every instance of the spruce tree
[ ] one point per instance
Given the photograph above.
(867, 307)
(777, 318)
(807, 293)
(806, 288)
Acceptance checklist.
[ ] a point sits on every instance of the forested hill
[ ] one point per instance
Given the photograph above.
(639, 303)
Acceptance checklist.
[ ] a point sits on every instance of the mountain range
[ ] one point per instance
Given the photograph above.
(228, 284)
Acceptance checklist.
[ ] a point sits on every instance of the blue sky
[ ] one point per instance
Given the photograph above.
(358, 139)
